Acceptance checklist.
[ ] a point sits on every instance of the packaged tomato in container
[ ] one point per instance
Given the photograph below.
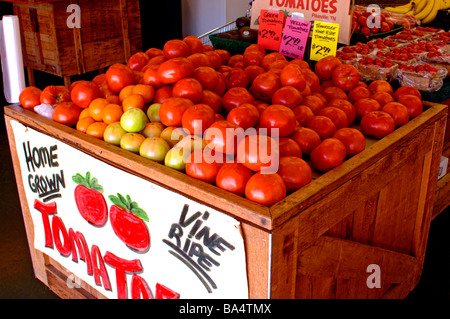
(421, 75)
(438, 59)
(408, 21)
(373, 68)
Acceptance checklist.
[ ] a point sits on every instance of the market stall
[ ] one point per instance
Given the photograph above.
(105, 219)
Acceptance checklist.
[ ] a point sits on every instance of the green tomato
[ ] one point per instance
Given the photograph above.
(133, 120)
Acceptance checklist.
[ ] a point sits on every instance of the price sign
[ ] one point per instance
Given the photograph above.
(270, 29)
(295, 36)
(324, 40)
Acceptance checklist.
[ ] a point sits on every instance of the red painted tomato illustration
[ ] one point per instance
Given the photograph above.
(89, 199)
(127, 221)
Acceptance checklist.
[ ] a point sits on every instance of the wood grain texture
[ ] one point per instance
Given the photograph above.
(110, 33)
(375, 208)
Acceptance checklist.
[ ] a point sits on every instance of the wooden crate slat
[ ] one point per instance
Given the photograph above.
(345, 259)
(104, 38)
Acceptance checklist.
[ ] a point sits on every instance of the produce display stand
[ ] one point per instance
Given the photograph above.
(109, 32)
(442, 200)
(319, 242)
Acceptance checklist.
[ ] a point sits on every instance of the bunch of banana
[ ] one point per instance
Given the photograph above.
(430, 10)
(423, 10)
(406, 8)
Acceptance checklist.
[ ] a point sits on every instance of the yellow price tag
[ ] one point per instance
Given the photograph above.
(324, 40)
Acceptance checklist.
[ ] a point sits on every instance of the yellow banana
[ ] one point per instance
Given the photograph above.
(420, 4)
(430, 17)
(445, 4)
(426, 11)
(400, 9)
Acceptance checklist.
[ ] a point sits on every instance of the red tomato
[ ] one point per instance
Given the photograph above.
(329, 154)
(150, 77)
(312, 80)
(333, 92)
(307, 138)
(55, 94)
(413, 103)
(295, 173)
(398, 111)
(224, 55)
(207, 77)
(365, 106)
(377, 86)
(323, 125)
(279, 117)
(277, 66)
(287, 96)
(235, 97)
(214, 59)
(197, 118)
(353, 140)
(137, 61)
(383, 98)
(253, 57)
(345, 106)
(265, 189)
(245, 115)
(253, 71)
(233, 177)
(377, 124)
(172, 109)
(258, 153)
(221, 87)
(212, 99)
(119, 76)
(270, 58)
(188, 88)
(162, 94)
(173, 70)
(67, 113)
(289, 147)
(264, 86)
(303, 114)
(152, 52)
(84, 93)
(346, 77)
(315, 103)
(406, 90)
(30, 97)
(337, 116)
(195, 44)
(176, 48)
(199, 59)
(203, 165)
(235, 59)
(237, 77)
(292, 75)
(221, 137)
(357, 93)
(324, 67)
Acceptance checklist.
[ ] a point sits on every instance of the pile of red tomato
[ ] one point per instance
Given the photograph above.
(315, 111)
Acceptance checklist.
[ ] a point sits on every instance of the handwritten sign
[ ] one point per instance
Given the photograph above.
(324, 40)
(80, 207)
(271, 29)
(335, 11)
(295, 37)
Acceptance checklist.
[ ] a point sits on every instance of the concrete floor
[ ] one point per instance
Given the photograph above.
(17, 279)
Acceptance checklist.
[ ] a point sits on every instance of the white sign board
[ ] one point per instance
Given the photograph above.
(183, 250)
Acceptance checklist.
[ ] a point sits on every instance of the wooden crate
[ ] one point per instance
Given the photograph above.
(110, 32)
(374, 209)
